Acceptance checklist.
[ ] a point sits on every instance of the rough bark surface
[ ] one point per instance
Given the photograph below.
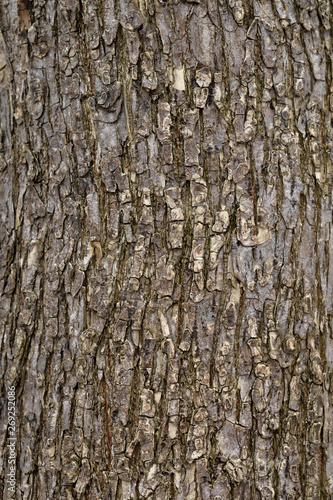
(167, 248)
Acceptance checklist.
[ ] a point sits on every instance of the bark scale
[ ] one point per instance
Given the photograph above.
(166, 237)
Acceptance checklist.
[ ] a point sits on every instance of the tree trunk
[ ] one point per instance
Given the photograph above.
(167, 269)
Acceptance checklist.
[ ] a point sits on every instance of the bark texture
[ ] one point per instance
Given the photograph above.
(167, 258)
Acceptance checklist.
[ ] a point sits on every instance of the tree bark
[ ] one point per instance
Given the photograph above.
(167, 258)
